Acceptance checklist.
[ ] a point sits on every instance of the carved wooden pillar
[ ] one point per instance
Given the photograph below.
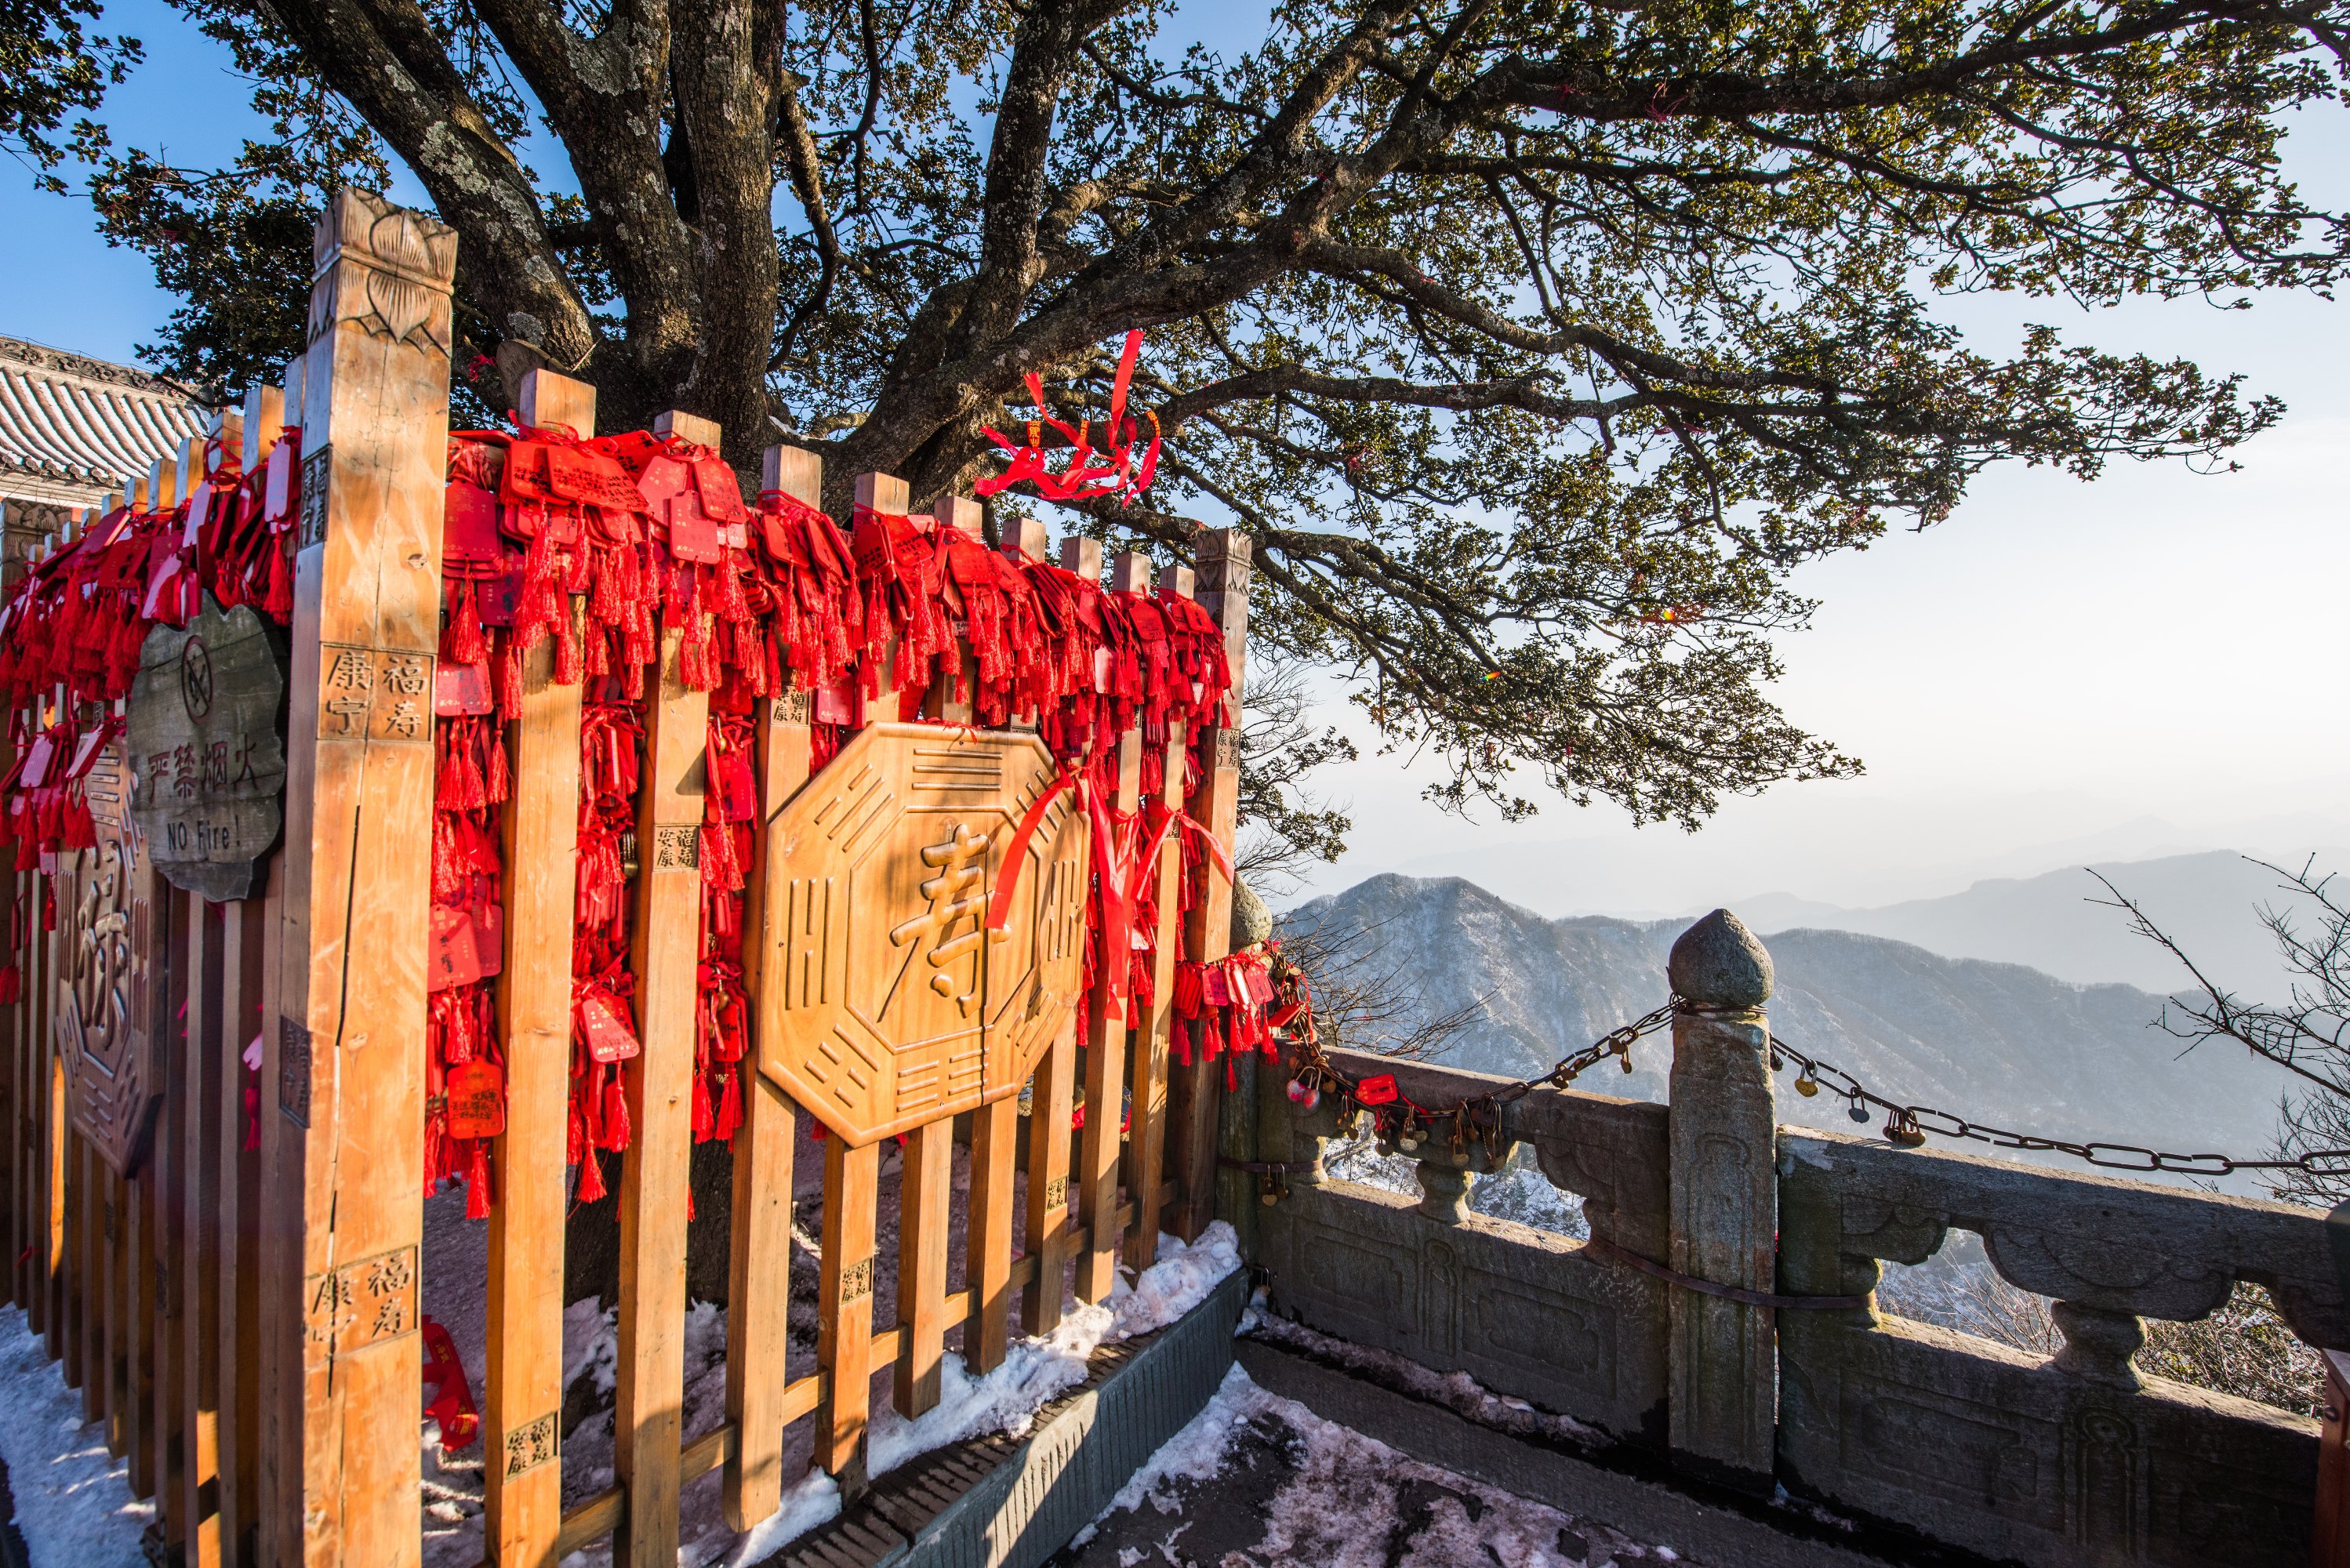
(1725, 1203)
(344, 1213)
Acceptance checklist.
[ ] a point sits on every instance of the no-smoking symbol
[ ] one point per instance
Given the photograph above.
(196, 678)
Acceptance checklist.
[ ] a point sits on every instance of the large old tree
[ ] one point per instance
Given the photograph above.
(1533, 341)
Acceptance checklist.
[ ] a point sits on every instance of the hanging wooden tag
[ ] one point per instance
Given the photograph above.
(693, 536)
(461, 689)
(468, 944)
(469, 529)
(477, 1099)
(609, 1038)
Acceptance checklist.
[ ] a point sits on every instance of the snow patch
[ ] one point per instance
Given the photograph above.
(1034, 1371)
(74, 1505)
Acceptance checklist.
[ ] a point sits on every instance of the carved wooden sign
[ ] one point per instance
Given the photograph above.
(897, 1006)
(205, 751)
(105, 999)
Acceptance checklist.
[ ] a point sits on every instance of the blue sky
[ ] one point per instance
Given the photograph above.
(2060, 670)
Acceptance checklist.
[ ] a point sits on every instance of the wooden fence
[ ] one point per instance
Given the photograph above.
(218, 1230)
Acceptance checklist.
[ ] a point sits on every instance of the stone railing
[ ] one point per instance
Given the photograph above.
(2072, 1458)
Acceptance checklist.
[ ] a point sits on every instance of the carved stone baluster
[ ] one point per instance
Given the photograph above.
(2100, 1345)
(1444, 1189)
(1725, 1203)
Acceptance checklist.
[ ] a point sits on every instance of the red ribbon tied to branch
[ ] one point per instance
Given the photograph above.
(1121, 882)
(1119, 472)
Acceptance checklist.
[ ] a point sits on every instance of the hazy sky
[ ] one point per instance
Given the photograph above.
(2061, 671)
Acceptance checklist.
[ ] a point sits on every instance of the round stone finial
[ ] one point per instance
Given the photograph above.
(1718, 962)
(1251, 921)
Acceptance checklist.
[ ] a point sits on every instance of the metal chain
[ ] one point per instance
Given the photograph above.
(1908, 1125)
(1479, 1115)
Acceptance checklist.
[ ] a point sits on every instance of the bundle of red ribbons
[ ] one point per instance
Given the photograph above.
(601, 545)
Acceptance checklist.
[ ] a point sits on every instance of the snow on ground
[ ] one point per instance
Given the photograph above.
(74, 1499)
(73, 1506)
(1260, 1481)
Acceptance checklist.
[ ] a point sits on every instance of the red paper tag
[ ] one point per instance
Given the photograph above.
(459, 689)
(735, 535)
(1260, 986)
(693, 536)
(477, 1099)
(1379, 1091)
(609, 1038)
(36, 764)
(834, 704)
(468, 527)
(1214, 990)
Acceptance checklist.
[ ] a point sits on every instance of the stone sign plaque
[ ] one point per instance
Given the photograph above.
(897, 1005)
(208, 766)
(106, 1000)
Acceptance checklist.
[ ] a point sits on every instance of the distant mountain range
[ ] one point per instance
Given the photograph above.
(2209, 903)
(1993, 1041)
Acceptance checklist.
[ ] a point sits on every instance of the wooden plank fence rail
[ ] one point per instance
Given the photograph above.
(235, 1292)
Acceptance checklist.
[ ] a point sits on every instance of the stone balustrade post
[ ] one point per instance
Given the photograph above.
(1725, 1204)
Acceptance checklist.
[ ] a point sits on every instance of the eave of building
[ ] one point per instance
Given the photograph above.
(73, 428)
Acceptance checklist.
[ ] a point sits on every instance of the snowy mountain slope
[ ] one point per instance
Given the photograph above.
(1991, 1040)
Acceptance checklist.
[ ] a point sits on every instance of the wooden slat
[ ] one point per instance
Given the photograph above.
(925, 1184)
(139, 1288)
(200, 1195)
(49, 1148)
(170, 1162)
(256, 936)
(1097, 1155)
(1052, 1100)
(347, 1211)
(1223, 582)
(665, 945)
(89, 1335)
(121, 1426)
(845, 1308)
(987, 1265)
(522, 1393)
(759, 1260)
(244, 935)
(1146, 1143)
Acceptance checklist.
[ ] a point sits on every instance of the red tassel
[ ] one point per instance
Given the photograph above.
(477, 1181)
(591, 1189)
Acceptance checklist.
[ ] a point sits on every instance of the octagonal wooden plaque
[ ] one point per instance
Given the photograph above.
(890, 1005)
(106, 1000)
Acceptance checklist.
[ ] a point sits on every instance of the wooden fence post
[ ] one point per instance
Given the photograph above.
(758, 1296)
(1223, 584)
(647, 1417)
(1145, 1159)
(278, 1487)
(1097, 1146)
(523, 1388)
(346, 1215)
